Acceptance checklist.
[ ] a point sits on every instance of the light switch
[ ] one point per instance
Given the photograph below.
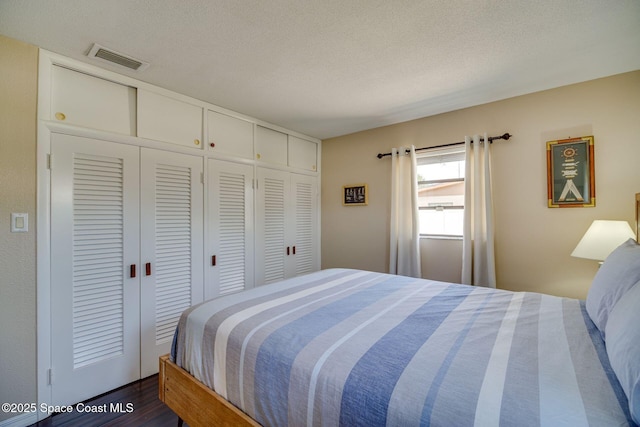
(19, 222)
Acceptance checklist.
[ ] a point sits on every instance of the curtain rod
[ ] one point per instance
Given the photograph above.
(505, 136)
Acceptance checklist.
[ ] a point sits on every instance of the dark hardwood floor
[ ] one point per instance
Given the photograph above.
(133, 405)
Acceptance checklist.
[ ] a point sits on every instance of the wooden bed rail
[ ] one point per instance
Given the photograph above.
(194, 402)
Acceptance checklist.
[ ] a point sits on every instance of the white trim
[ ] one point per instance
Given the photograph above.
(319, 204)
(21, 420)
(43, 241)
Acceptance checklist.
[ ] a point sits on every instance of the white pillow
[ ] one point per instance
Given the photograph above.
(623, 346)
(619, 272)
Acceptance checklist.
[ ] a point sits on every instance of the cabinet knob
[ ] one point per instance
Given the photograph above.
(196, 141)
(258, 156)
(60, 116)
(213, 144)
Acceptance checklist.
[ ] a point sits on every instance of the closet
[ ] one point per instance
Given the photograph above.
(126, 248)
(286, 209)
(155, 202)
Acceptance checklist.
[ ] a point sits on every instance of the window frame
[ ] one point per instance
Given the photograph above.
(447, 154)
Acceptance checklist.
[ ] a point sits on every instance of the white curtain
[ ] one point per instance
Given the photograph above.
(478, 258)
(404, 248)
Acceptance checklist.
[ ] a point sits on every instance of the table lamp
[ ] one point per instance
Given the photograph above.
(602, 237)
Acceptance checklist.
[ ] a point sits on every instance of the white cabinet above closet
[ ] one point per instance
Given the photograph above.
(229, 135)
(271, 146)
(278, 148)
(91, 102)
(170, 120)
(302, 154)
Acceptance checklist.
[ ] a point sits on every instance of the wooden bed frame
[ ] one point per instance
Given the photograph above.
(194, 402)
(198, 405)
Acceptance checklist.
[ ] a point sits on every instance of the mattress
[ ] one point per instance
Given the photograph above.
(357, 348)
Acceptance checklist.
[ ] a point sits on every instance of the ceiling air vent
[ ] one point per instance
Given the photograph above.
(108, 55)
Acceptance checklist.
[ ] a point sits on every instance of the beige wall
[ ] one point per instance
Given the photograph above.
(18, 88)
(533, 242)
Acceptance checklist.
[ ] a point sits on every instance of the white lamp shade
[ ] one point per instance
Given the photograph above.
(602, 238)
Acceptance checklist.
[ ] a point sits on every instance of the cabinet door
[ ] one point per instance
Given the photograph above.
(166, 119)
(95, 298)
(230, 228)
(229, 135)
(83, 100)
(271, 146)
(286, 225)
(272, 230)
(305, 222)
(302, 153)
(171, 253)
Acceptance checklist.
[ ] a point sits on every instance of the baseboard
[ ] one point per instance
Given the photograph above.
(21, 420)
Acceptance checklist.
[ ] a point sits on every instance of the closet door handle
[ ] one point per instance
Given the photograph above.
(132, 271)
(213, 260)
(288, 251)
(147, 269)
(294, 250)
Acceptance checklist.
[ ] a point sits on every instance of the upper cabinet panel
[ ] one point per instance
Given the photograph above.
(303, 154)
(271, 146)
(170, 120)
(230, 135)
(91, 102)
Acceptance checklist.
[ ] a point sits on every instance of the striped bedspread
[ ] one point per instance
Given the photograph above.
(353, 348)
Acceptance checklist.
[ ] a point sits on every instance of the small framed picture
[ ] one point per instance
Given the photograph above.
(355, 195)
(570, 173)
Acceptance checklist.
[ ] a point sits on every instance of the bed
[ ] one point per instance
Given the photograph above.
(357, 348)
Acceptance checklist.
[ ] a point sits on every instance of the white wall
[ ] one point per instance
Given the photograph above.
(533, 242)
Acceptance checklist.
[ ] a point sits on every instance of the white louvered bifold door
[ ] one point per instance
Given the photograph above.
(305, 223)
(272, 230)
(230, 228)
(171, 239)
(95, 339)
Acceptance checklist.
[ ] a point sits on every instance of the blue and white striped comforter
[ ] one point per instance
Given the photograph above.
(355, 348)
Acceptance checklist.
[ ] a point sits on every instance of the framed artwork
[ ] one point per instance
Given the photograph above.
(355, 195)
(570, 173)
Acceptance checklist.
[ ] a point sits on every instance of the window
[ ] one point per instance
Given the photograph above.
(441, 191)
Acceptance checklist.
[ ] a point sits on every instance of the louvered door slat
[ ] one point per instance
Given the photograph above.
(230, 227)
(305, 213)
(173, 240)
(274, 229)
(89, 236)
(305, 227)
(232, 232)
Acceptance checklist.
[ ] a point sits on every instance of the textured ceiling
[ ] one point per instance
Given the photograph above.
(331, 67)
